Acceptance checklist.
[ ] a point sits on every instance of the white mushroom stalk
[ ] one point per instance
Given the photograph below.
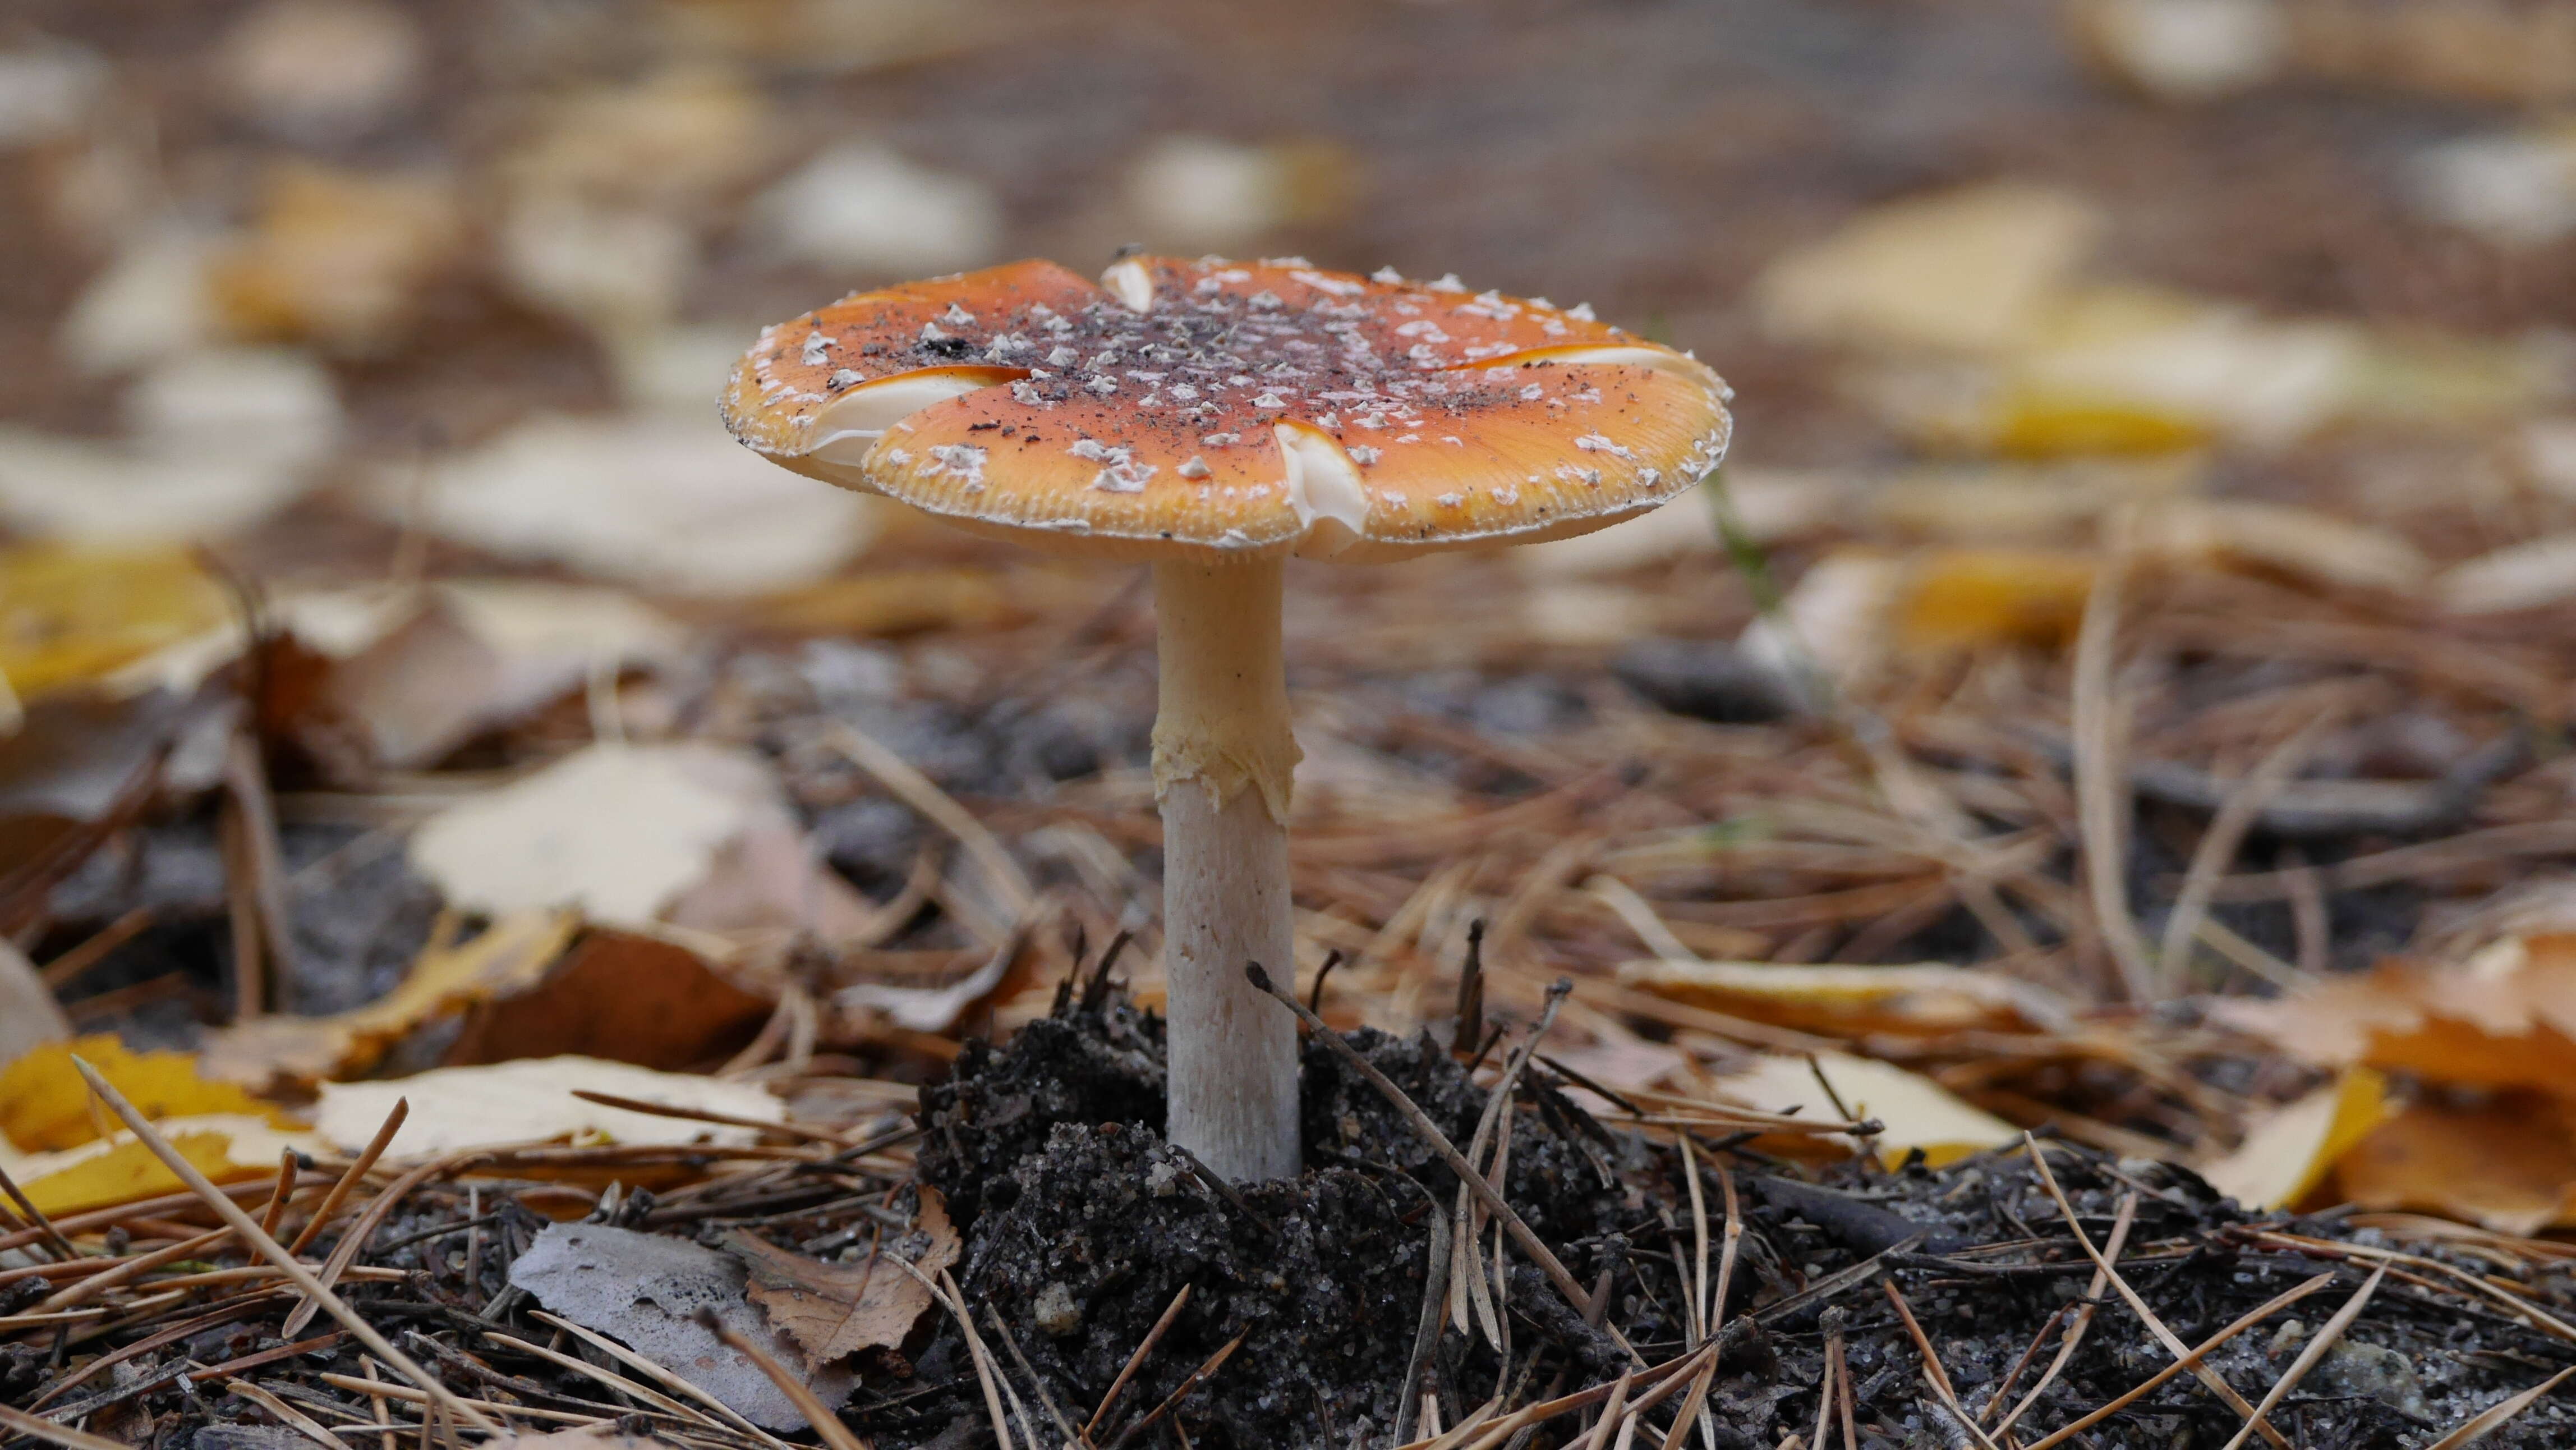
(1222, 760)
(1214, 418)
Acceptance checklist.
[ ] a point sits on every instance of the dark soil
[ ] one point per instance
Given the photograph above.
(1082, 1224)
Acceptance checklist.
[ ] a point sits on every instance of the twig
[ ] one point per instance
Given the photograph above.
(1432, 1138)
(647, 1368)
(2190, 1360)
(1933, 1372)
(63, 1435)
(2217, 1382)
(35, 1219)
(348, 1180)
(1198, 1377)
(1438, 1263)
(2491, 1419)
(1153, 1337)
(2218, 845)
(2102, 781)
(1011, 1343)
(810, 1405)
(379, 1208)
(2326, 1339)
(275, 1252)
(917, 791)
(287, 1415)
(703, 1115)
(2075, 1331)
(974, 1347)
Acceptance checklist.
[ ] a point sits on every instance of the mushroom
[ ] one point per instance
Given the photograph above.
(1214, 418)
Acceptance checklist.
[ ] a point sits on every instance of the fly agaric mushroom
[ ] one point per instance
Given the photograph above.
(1213, 418)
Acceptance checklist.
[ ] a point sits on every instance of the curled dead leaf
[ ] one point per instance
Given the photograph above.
(836, 1310)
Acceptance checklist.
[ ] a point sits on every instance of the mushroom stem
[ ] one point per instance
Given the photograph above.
(1222, 760)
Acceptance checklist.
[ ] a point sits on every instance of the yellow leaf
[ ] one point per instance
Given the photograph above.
(2507, 1164)
(45, 1105)
(510, 955)
(1930, 997)
(1915, 1111)
(2506, 1018)
(1961, 597)
(227, 1148)
(70, 614)
(129, 1171)
(2289, 1153)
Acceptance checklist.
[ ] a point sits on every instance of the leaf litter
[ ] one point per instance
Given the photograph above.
(2153, 744)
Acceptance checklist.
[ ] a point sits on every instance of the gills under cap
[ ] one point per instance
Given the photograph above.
(1209, 408)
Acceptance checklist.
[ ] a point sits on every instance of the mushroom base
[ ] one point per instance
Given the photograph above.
(1233, 1050)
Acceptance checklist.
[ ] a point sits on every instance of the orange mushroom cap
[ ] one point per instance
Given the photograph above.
(1231, 406)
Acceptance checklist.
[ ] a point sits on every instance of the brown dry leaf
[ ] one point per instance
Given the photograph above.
(336, 257)
(482, 653)
(2288, 1153)
(45, 1105)
(2504, 1018)
(513, 952)
(619, 996)
(895, 601)
(2508, 1164)
(1925, 998)
(836, 1310)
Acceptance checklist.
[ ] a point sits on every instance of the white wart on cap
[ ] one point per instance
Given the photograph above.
(1243, 408)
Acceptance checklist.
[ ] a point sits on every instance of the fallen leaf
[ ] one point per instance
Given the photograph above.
(2306, 543)
(2185, 50)
(2514, 188)
(667, 503)
(1915, 1111)
(531, 1100)
(1930, 997)
(29, 1015)
(45, 1105)
(226, 1147)
(478, 654)
(70, 615)
(1962, 598)
(1199, 194)
(47, 89)
(2528, 575)
(2504, 1018)
(1962, 271)
(647, 1289)
(620, 997)
(320, 70)
(2290, 1151)
(834, 1310)
(2507, 1164)
(864, 206)
(337, 258)
(895, 601)
(448, 977)
(694, 834)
